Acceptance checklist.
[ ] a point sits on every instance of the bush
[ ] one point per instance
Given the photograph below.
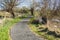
(34, 21)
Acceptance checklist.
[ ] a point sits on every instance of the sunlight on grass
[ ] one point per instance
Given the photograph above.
(43, 34)
(5, 28)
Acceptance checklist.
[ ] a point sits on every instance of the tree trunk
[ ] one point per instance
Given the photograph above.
(32, 11)
(12, 13)
(44, 20)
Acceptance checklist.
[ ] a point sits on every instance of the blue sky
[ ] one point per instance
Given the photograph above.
(26, 3)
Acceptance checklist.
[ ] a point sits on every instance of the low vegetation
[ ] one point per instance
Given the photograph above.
(4, 29)
(46, 9)
(44, 32)
(47, 31)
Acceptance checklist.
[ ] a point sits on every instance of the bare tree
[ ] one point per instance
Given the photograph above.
(44, 11)
(55, 9)
(58, 9)
(8, 5)
(32, 7)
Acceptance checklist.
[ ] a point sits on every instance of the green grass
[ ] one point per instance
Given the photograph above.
(4, 35)
(43, 34)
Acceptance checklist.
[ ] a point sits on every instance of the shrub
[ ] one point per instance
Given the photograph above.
(34, 21)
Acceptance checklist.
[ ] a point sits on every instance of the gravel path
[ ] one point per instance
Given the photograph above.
(21, 31)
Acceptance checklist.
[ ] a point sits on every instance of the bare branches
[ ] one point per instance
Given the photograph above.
(8, 5)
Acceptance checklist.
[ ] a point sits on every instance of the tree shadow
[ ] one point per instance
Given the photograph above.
(43, 30)
(53, 33)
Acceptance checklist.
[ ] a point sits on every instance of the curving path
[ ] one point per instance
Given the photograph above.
(21, 31)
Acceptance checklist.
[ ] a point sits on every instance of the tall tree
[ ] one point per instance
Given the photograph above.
(32, 7)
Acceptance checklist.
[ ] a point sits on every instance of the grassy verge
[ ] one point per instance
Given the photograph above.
(43, 34)
(4, 29)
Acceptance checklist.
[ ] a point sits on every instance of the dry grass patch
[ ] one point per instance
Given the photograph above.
(45, 32)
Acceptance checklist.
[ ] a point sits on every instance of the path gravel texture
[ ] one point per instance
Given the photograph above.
(21, 31)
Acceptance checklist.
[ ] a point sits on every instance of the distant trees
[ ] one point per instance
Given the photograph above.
(25, 10)
(8, 5)
(48, 8)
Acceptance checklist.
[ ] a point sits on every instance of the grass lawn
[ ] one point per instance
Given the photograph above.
(43, 34)
(4, 35)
